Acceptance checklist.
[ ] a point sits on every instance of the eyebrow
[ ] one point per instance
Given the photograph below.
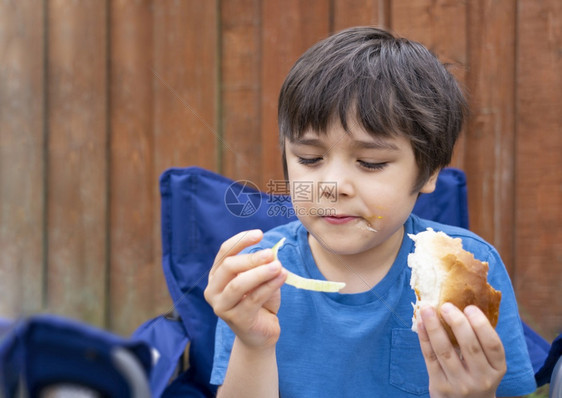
(308, 142)
(376, 144)
(361, 144)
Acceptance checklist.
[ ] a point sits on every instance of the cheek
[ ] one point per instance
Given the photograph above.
(389, 206)
(303, 193)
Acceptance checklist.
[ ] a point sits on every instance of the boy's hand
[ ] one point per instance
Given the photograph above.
(479, 367)
(244, 290)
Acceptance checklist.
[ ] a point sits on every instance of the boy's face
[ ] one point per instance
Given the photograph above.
(352, 191)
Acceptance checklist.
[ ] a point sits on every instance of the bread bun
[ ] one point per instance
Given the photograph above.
(442, 271)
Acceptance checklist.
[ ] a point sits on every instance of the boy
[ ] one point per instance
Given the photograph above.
(376, 117)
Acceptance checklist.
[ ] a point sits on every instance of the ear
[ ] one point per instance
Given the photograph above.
(431, 183)
(284, 160)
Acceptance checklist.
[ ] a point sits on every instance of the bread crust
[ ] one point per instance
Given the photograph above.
(466, 284)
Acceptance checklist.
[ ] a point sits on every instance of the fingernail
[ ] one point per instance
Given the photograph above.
(254, 234)
(470, 310)
(427, 312)
(265, 254)
(274, 266)
(446, 308)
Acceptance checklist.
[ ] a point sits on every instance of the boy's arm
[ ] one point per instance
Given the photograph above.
(244, 291)
(251, 373)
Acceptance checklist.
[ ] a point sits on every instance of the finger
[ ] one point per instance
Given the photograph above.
(244, 285)
(441, 344)
(235, 245)
(434, 369)
(265, 295)
(489, 341)
(234, 265)
(469, 344)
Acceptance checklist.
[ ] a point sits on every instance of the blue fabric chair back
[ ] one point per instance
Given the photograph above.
(47, 350)
(200, 210)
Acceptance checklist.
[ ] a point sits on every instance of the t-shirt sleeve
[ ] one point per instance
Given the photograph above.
(519, 378)
(224, 338)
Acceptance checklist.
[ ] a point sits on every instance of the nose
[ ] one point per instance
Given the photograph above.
(336, 182)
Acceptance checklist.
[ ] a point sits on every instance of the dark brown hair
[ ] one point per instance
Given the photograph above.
(392, 85)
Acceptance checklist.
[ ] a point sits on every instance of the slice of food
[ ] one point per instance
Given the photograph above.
(442, 271)
(305, 283)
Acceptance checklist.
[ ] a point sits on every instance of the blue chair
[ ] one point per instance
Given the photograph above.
(200, 210)
(50, 353)
(5, 325)
(550, 369)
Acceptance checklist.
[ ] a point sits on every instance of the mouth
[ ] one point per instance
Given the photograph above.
(340, 219)
(369, 223)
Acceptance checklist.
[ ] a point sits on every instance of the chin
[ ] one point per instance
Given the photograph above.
(345, 245)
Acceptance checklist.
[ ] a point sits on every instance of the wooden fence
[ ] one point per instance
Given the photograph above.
(97, 98)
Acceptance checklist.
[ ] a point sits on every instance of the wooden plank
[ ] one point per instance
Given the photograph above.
(539, 164)
(490, 132)
(77, 177)
(441, 26)
(347, 13)
(136, 277)
(240, 89)
(288, 29)
(21, 157)
(184, 79)
(185, 84)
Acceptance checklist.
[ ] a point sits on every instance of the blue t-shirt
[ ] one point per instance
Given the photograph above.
(359, 345)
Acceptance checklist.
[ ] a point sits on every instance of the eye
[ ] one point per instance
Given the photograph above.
(372, 166)
(309, 161)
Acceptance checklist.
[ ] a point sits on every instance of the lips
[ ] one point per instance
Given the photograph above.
(339, 219)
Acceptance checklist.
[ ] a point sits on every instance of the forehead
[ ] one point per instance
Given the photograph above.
(356, 118)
